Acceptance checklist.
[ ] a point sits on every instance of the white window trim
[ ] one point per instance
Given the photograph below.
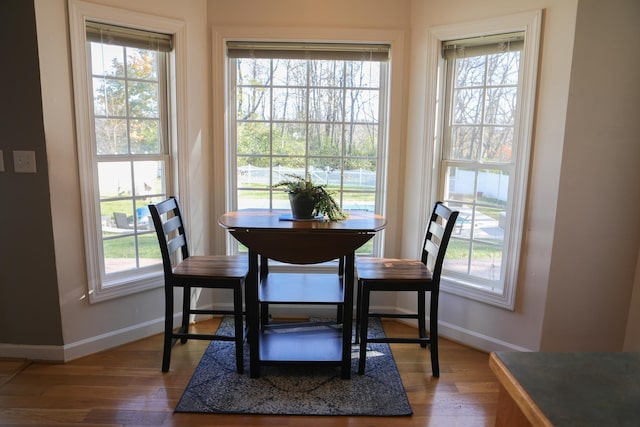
(530, 22)
(221, 130)
(79, 13)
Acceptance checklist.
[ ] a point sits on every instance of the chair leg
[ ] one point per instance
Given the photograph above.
(433, 336)
(358, 309)
(422, 323)
(168, 328)
(364, 325)
(186, 312)
(239, 329)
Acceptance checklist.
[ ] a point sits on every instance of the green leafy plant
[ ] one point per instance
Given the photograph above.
(324, 203)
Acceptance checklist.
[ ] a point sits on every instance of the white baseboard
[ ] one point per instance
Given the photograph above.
(461, 335)
(113, 339)
(51, 353)
(67, 352)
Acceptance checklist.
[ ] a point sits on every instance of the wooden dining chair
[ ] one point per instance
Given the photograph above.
(406, 275)
(185, 271)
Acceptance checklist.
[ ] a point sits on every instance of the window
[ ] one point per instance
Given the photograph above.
(315, 110)
(129, 86)
(483, 150)
(122, 81)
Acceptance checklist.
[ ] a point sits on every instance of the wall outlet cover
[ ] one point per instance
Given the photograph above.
(24, 161)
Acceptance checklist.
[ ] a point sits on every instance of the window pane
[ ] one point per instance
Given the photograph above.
(253, 172)
(359, 201)
(108, 97)
(360, 174)
(497, 144)
(145, 136)
(149, 178)
(115, 179)
(119, 254)
(486, 261)
(500, 105)
(289, 104)
(460, 184)
(465, 143)
(326, 105)
(457, 259)
(326, 171)
(493, 187)
(283, 166)
(361, 140)
(326, 73)
(111, 136)
(470, 71)
(117, 217)
(289, 138)
(503, 68)
(253, 71)
(142, 64)
(253, 138)
(362, 105)
(149, 250)
(289, 72)
(107, 60)
(253, 199)
(253, 103)
(325, 139)
(468, 106)
(363, 74)
(143, 99)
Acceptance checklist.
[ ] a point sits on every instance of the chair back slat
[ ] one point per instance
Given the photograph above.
(176, 243)
(437, 229)
(172, 224)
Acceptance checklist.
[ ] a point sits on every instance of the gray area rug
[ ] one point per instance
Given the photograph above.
(295, 389)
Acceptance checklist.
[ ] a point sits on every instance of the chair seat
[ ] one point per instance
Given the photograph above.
(212, 268)
(397, 270)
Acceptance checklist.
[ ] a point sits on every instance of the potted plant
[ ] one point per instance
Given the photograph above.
(308, 199)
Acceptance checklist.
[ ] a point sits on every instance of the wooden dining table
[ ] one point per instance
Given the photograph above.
(273, 235)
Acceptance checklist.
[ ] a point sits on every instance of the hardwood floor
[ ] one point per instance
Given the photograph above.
(125, 387)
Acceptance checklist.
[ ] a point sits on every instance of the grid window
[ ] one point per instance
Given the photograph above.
(479, 164)
(129, 86)
(308, 117)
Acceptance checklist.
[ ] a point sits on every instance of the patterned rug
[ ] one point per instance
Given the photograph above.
(295, 389)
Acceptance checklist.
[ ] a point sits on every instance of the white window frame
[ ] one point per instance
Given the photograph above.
(389, 153)
(79, 13)
(530, 23)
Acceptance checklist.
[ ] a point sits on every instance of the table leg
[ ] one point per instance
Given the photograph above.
(253, 315)
(347, 315)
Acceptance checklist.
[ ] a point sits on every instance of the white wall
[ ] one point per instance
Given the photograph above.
(90, 327)
(597, 232)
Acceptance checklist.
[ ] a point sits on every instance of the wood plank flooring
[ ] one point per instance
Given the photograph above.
(125, 387)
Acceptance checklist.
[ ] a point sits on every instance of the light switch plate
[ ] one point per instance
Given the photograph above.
(24, 161)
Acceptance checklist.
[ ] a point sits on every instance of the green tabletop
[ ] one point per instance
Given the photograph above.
(580, 389)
